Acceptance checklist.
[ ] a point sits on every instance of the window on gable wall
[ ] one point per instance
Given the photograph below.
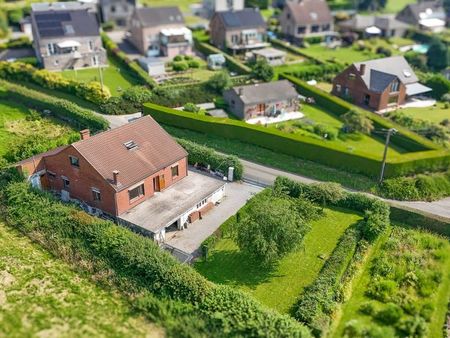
(395, 86)
(74, 161)
(96, 195)
(175, 171)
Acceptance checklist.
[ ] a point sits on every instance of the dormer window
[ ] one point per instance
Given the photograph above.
(130, 145)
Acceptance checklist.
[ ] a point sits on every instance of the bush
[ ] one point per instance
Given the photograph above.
(194, 64)
(178, 58)
(176, 96)
(294, 145)
(180, 66)
(205, 156)
(108, 26)
(357, 122)
(368, 308)
(18, 71)
(384, 51)
(219, 82)
(139, 264)
(382, 290)
(439, 84)
(63, 109)
(391, 314)
(263, 71)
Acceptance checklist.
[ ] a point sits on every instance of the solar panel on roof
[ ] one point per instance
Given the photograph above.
(52, 17)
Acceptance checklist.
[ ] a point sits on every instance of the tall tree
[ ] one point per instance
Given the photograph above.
(438, 55)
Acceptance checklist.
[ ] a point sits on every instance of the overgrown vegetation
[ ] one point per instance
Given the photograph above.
(141, 267)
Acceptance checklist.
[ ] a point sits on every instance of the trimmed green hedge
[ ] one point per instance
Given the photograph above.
(140, 264)
(63, 109)
(300, 146)
(24, 72)
(133, 67)
(203, 155)
(232, 63)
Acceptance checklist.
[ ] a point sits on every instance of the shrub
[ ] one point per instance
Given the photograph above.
(180, 66)
(391, 314)
(205, 156)
(194, 64)
(63, 109)
(18, 71)
(262, 70)
(439, 84)
(139, 264)
(191, 108)
(108, 26)
(384, 51)
(368, 308)
(356, 122)
(413, 327)
(382, 290)
(178, 58)
(219, 82)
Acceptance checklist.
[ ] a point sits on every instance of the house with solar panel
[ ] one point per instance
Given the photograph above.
(380, 84)
(238, 31)
(67, 36)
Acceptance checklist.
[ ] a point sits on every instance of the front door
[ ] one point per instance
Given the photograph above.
(261, 108)
(156, 186)
(162, 182)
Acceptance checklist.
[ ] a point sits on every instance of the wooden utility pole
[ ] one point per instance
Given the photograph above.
(390, 132)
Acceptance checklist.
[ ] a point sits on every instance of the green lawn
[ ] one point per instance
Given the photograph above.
(42, 297)
(363, 144)
(403, 254)
(114, 77)
(433, 114)
(394, 6)
(15, 124)
(346, 55)
(280, 287)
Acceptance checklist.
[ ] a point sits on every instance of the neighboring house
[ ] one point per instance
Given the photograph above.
(263, 99)
(117, 11)
(66, 38)
(212, 6)
(134, 171)
(375, 25)
(238, 30)
(306, 18)
(160, 31)
(378, 84)
(274, 57)
(427, 15)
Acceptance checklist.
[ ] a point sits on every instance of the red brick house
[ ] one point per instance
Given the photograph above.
(117, 170)
(378, 84)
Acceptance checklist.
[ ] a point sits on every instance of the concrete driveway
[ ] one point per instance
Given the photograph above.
(190, 239)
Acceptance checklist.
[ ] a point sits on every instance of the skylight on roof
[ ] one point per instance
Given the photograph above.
(69, 29)
(407, 73)
(130, 145)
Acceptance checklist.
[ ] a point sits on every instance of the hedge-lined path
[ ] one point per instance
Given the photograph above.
(264, 175)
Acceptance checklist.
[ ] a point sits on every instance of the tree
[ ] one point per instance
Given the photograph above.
(357, 122)
(439, 84)
(373, 5)
(270, 228)
(219, 82)
(262, 71)
(137, 95)
(438, 55)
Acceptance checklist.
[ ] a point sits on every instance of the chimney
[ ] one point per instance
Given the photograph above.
(240, 91)
(85, 134)
(362, 68)
(116, 177)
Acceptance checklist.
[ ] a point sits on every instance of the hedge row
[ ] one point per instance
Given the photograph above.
(25, 72)
(204, 156)
(232, 63)
(314, 71)
(140, 263)
(133, 67)
(300, 146)
(63, 109)
(406, 138)
(319, 300)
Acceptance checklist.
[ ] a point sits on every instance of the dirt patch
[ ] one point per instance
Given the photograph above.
(6, 279)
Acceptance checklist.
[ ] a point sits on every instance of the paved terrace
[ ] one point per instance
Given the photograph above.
(167, 206)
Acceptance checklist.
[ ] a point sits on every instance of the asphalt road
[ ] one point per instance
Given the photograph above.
(263, 175)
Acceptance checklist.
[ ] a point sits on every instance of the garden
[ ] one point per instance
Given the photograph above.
(403, 289)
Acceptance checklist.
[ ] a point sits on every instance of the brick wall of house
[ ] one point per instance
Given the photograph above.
(357, 90)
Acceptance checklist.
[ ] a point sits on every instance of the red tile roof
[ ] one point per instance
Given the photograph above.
(155, 150)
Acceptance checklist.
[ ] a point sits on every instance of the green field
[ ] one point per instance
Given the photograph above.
(346, 55)
(15, 124)
(418, 263)
(42, 297)
(434, 114)
(278, 288)
(114, 77)
(362, 143)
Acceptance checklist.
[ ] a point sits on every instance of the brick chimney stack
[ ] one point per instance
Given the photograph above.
(85, 134)
(116, 177)
(362, 68)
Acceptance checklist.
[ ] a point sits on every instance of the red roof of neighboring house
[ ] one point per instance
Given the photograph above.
(150, 149)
